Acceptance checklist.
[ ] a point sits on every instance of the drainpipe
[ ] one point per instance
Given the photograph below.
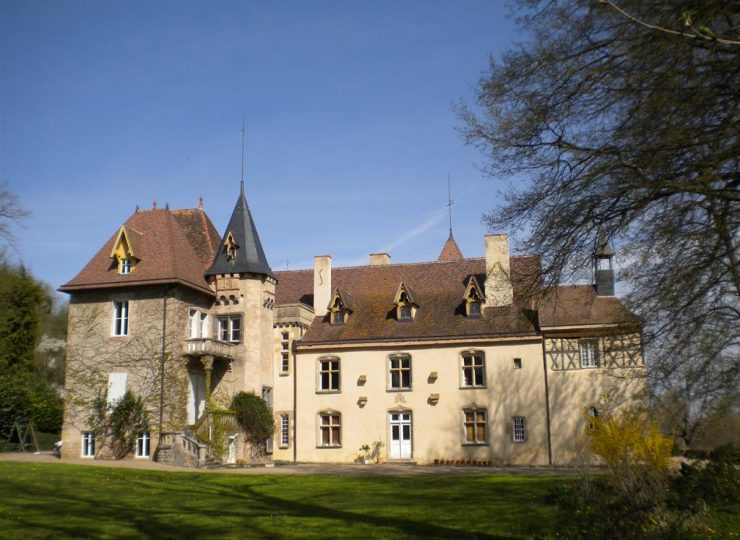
(547, 404)
(161, 365)
(295, 380)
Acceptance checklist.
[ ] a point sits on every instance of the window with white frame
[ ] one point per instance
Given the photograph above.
(589, 349)
(284, 430)
(519, 432)
(329, 375)
(124, 266)
(142, 444)
(284, 353)
(330, 429)
(198, 324)
(120, 318)
(473, 369)
(230, 328)
(88, 444)
(399, 372)
(116, 388)
(475, 426)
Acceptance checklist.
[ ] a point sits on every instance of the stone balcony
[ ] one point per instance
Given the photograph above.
(209, 347)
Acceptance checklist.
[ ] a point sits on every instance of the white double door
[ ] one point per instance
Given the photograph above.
(400, 435)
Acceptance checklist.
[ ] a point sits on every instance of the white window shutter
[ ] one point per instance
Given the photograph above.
(116, 387)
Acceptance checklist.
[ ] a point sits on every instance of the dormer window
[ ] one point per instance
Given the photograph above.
(123, 252)
(405, 305)
(340, 307)
(124, 266)
(473, 299)
(230, 246)
(337, 317)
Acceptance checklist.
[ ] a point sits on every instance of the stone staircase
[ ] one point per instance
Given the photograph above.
(182, 450)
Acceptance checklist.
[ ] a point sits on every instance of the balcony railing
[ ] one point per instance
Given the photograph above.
(208, 346)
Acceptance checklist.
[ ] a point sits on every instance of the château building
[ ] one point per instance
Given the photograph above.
(449, 360)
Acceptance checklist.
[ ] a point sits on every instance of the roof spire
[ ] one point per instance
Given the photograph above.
(450, 202)
(242, 176)
(450, 251)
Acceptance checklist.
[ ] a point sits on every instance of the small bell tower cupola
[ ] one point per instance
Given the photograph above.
(604, 269)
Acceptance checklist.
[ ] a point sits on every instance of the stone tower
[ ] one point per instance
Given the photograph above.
(245, 295)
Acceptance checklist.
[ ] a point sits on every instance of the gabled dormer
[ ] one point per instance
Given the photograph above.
(124, 251)
(473, 299)
(340, 307)
(230, 246)
(406, 306)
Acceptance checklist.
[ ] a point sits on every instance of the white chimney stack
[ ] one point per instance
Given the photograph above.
(379, 259)
(321, 284)
(499, 292)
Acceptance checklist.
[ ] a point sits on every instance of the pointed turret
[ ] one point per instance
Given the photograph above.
(450, 251)
(241, 250)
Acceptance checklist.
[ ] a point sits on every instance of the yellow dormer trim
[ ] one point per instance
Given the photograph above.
(338, 310)
(123, 252)
(230, 245)
(406, 306)
(473, 295)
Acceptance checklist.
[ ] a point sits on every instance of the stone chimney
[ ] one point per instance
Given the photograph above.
(321, 284)
(379, 259)
(499, 292)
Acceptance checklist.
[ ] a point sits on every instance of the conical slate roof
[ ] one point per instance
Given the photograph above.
(248, 255)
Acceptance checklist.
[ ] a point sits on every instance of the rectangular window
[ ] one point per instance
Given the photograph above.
(284, 363)
(330, 429)
(198, 324)
(404, 313)
(267, 396)
(519, 429)
(517, 363)
(284, 430)
(284, 353)
(120, 318)
(329, 375)
(230, 328)
(142, 444)
(88, 444)
(475, 426)
(473, 370)
(474, 309)
(124, 266)
(116, 387)
(399, 371)
(589, 353)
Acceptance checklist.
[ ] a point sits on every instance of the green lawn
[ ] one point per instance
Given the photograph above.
(73, 501)
(68, 501)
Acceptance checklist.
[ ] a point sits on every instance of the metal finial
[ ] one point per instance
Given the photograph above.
(450, 202)
(242, 176)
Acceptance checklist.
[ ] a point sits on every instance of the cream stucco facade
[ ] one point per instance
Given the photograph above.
(439, 362)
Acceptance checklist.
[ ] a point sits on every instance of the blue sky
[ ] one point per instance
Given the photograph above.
(350, 130)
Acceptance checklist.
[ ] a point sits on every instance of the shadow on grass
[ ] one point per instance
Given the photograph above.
(68, 501)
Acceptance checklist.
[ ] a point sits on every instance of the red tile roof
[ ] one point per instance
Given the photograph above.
(438, 289)
(578, 305)
(171, 247)
(450, 251)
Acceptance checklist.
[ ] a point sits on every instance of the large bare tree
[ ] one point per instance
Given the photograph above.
(620, 120)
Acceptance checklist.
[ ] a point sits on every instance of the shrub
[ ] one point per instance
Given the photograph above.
(46, 408)
(717, 482)
(119, 425)
(632, 500)
(22, 397)
(254, 417)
